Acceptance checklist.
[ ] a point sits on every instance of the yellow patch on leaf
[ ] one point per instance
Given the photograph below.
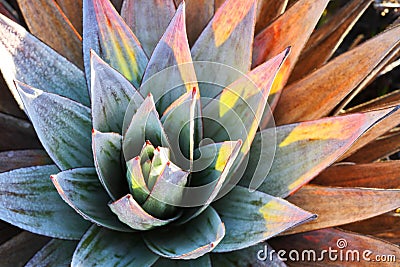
(228, 18)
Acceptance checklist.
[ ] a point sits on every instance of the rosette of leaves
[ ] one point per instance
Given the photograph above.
(113, 132)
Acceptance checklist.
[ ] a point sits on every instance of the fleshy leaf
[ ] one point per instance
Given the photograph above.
(173, 48)
(44, 213)
(293, 28)
(55, 253)
(163, 196)
(247, 257)
(130, 213)
(59, 33)
(240, 106)
(20, 248)
(81, 189)
(203, 261)
(73, 10)
(253, 217)
(355, 204)
(107, 160)
(189, 241)
(20, 134)
(354, 248)
(267, 10)
(212, 165)
(379, 226)
(148, 20)
(305, 149)
(325, 40)
(63, 126)
(373, 175)
(136, 180)
(182, 127)
(383, 126)
(103, 247)
(25, 58)
(111, 94)
(145, 125)
(227, 39)
(10, 160)
(380, 148)
(107, 34)
(318, 93)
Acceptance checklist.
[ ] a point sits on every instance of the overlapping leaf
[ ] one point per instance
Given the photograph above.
(100, 246)
(322, 141)
(107, 34)
(56, 252)
(251, 218)
(26, 59)
(81, 189)
(318, 93)
(373, 175)
(43, 213)
(10, 160)
(189, 241)
(107, 160)
(355, 204)
(59, 33)
(63, 126)
(148, 20)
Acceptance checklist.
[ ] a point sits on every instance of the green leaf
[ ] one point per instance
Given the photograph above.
(28, 200)
(152, 15)
(189, 241)
(132, 214)
(167, 192)
(239, 107)
(55, 253)
(107, 160)
(213, 164)
(253, 217)
(111, 94)
(25, 58)
(63, 126)
(145, 125)
(227, 39)
(203, 261)
(107, 34)
(81, 189)
(305, 149)
(136, 180)
(182, 128)
(102, 247)
(174, 50)
(249, 257)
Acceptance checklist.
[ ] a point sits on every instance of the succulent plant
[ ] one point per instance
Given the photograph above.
(161, 142)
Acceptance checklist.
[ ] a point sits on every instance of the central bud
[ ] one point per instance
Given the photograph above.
(150, 176)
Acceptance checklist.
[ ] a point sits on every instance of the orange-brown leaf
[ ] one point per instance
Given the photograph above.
(374, 132)
(10, 160)
(382, 147)
(344, 249)
(325, 40)
(53, 28)
(73, 10)
(267, 10)
(293, 28)
(385, 175)
(317, 94)
(337, 206)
